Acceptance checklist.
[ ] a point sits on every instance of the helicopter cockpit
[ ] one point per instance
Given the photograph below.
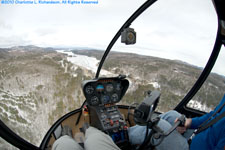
(102, 107)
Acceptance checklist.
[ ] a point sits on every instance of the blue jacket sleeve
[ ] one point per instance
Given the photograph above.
(197, 121)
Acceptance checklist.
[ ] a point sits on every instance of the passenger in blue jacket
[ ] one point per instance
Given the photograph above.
(212, 138)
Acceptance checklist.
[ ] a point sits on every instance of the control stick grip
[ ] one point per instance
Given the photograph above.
(180, 122)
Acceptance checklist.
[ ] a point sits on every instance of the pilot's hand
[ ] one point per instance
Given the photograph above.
(187, 125)
(181, 130)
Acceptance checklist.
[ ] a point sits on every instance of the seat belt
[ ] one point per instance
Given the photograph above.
(205, 125)
(210, 123)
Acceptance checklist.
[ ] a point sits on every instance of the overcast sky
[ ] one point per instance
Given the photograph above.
(174, 29)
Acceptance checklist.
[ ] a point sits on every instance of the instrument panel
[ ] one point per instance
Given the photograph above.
(105, 90)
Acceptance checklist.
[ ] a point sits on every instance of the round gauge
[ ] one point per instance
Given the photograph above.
(89, 89)
(109, 87)
(114, 97)
(105, 99)
(118, 87)
(94, 100)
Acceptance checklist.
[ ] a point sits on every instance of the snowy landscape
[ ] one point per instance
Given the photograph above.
(38, 85)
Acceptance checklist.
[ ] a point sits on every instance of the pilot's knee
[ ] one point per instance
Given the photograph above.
(95, 134)
(96, 139)
(170, 116)
(91, 131)
(66, 142)
(173, 113)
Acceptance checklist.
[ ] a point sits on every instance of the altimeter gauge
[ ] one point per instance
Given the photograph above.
(109, 87)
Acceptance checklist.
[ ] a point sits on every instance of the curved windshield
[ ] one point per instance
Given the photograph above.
(47, 50)
(170, 52)
(212, 91)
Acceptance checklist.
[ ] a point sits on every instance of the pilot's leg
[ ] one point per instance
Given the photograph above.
(96, 139)
(136, 133)
(170, 117)
(174, 141)
(66, 143)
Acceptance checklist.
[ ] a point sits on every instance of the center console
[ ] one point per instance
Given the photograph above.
(102, 94)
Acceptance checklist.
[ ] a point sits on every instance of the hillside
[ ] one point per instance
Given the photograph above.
(36, 88)
(172, 78)
(39, 85)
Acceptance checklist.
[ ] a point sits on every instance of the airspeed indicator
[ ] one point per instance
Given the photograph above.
(89, 89)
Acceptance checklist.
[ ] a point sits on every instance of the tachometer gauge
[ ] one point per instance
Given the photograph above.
(114, 97)
(109, 87)
(94, 100)
(89, 89)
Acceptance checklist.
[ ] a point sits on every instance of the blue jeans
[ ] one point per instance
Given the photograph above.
(174, 141)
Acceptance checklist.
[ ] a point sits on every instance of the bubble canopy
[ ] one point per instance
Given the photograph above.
(17, 141)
